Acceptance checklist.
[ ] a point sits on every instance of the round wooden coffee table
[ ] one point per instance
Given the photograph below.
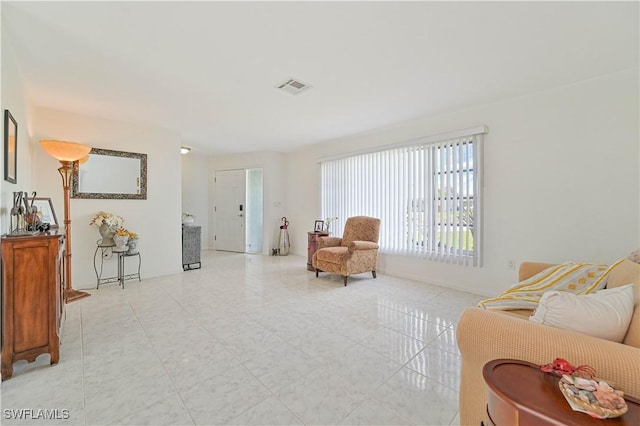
(520, 394)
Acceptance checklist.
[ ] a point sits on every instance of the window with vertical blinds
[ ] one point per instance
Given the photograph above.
(426, 193)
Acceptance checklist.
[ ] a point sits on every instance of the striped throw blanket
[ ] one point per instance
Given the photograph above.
(578, 278)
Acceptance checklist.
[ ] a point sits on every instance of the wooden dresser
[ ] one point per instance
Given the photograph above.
(32, 298)
(312, 247)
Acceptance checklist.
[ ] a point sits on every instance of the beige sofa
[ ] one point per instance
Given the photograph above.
(485, 335)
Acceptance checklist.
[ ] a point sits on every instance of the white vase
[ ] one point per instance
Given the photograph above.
(107, 232)
(133, 246)
(121, 242)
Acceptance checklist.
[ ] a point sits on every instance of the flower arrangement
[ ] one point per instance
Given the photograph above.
(327, 222)
(132, 235)
(121, 232)
(104, 218)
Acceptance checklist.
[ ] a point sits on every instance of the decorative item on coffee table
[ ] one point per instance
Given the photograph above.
(585, 393)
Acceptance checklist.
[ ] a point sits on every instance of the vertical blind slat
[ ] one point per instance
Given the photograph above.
(454, 202)
(426, 223)
(443, 202)
(468, 165)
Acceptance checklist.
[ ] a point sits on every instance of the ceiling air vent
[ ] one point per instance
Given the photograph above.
(293, 86)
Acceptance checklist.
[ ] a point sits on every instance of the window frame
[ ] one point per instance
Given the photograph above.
(419, 174)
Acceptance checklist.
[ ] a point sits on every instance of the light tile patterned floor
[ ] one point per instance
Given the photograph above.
(251, 340)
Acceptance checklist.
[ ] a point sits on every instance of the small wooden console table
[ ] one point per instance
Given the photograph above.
(520, 394)
(314, 240)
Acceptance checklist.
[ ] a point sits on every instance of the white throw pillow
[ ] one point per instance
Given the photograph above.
(605, 314)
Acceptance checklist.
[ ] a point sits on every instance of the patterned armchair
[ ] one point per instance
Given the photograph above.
(356, 252)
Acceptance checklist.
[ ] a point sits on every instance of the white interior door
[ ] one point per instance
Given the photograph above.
(230, 210)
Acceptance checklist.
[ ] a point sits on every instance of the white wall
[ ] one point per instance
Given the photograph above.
(157, 219)
(195, 192)
(273, 165)
(15, 99)
(561, 180)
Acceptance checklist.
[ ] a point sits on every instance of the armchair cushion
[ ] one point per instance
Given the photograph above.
(333, 254)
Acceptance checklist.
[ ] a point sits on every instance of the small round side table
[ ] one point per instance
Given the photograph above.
(520, 394)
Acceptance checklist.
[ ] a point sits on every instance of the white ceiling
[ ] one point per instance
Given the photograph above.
(208, 69)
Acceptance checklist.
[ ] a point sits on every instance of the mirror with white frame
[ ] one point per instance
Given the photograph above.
(111, 175)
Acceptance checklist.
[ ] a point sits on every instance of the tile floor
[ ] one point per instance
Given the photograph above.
(250, 340)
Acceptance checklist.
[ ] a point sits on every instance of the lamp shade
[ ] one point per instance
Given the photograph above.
(65, 151)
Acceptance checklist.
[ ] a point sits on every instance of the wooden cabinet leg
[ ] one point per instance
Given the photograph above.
(55, 356)
(7, 371)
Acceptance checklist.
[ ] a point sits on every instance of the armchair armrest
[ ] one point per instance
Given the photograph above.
(362, 245)
(329, 242)
(486, 335)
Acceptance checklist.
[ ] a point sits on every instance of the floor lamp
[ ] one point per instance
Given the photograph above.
(67, 153)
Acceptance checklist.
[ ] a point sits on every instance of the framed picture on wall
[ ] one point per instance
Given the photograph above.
(10, 148)
(46, 211)
(318, 226)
